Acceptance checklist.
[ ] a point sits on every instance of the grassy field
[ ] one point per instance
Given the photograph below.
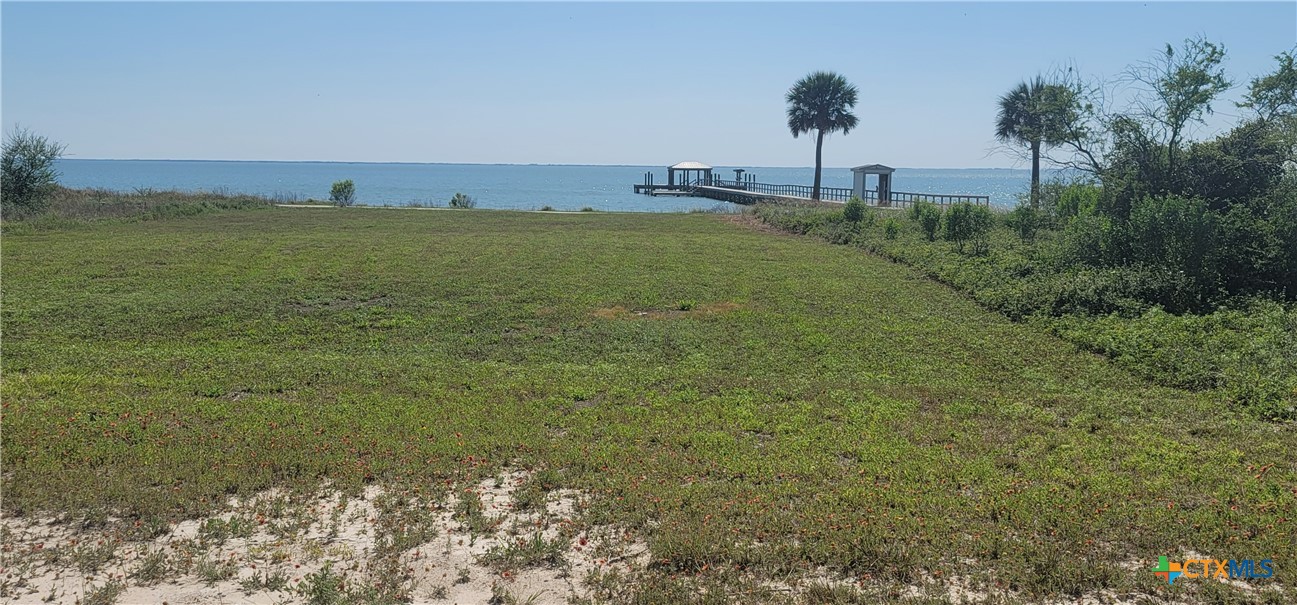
(750, 404)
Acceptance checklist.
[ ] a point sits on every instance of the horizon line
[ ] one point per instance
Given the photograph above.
(503, 163)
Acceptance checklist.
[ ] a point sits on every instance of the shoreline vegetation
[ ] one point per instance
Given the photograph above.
(68, 207)
(1243, 350)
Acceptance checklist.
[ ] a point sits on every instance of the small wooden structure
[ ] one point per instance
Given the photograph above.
(883, 193)
(702, 172)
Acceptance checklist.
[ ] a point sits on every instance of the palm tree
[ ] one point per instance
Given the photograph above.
(1028, 116)
(822, 102)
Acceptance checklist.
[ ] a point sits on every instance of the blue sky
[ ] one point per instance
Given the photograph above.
(583, 83)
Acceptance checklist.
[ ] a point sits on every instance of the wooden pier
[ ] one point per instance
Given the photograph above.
(745, 190)
(748, 193)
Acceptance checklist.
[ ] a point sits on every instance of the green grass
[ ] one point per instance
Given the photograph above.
(813, 406)
(1245, 351)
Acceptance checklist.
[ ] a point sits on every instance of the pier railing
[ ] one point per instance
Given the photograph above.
(900, 199)
(903, 199)
(836, 194)
(750, 191)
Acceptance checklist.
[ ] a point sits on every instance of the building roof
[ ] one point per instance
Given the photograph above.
(874, 169)
(691, 166)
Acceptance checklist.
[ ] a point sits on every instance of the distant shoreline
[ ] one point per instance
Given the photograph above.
(76, 159)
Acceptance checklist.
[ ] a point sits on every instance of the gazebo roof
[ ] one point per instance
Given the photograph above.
(874, 169)
(691, 166)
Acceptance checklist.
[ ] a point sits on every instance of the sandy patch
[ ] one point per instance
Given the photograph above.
(470, 547)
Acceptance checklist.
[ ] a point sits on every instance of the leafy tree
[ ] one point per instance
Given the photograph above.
(343, 193)
(27, 172)
(1274, 95)
(1179, 88)
(1035, 114)
(821, 102)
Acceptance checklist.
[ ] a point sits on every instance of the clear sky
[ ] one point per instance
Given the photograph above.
(584, 83)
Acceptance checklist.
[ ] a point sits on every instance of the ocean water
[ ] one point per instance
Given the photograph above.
(513, 186)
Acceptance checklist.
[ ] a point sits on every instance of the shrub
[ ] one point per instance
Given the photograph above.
(1091, 238)
(587, 209)
(1062, 201)
(840, 232)
(967, 223)
(928, 216)
(1178, 234)
(1025, 221)
(854, 210)
(28, 174)
(891, 228)
(546, 208)
(343, 193)
(462, 201)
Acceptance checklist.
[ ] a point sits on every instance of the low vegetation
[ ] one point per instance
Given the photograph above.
(755, 408)
(1242, 348)
(64, 208)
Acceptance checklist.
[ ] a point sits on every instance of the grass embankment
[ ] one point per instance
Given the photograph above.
(1244, 351)
(752, 405)
(67, 208)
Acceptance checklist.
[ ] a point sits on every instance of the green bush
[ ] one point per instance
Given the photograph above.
(928, 216)
(1180, 235)
(1061, 201)
(27, 172)
(343, 193)
(1091, 238)
(855, 210)
(969, 223)
(462, 201)
(891, 228)
(1025, 221)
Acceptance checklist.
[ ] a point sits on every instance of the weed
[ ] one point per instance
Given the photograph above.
(105, 594)
(469, 512)
(323, 587)
(153, 568)
(211, 571)
(527, 552)
(264, 580)
(89, 558)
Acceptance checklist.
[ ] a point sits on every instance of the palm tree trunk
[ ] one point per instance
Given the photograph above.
(1035, 174)
(819, 148)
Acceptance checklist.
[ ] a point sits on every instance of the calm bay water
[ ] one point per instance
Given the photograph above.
(526, 187)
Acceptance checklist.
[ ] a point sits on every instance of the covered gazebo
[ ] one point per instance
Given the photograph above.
(884, 189)
(703, 171)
